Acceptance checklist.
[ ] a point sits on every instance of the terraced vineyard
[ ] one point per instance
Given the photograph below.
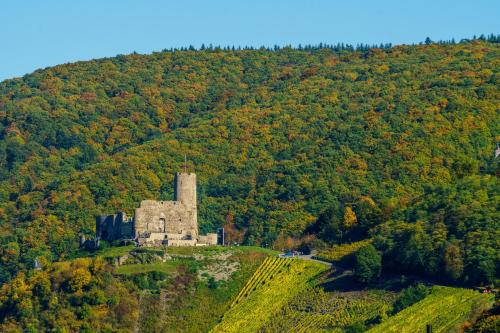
(341, 253)
(271, 287)
(318, 311)
(445, 308)
(267, 270)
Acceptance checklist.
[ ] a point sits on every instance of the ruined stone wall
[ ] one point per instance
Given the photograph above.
(127, 229)
(208, 239)
(172, 217)
(181, 242)
(101, 225)
(114, 227)
(155, 220)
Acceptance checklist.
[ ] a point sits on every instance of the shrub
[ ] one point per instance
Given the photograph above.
(212, 284)
(368, 264)
(357, 327)
(410, 296)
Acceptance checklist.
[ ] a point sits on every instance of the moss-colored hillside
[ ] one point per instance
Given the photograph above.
(396, 144)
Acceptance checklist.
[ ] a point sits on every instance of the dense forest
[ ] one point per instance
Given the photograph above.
(318, 145)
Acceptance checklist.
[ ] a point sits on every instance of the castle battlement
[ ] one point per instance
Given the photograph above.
(172, 223)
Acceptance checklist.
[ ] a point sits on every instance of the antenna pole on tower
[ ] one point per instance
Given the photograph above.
(185, 163)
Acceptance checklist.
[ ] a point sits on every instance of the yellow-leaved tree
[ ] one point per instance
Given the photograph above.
(350, 218)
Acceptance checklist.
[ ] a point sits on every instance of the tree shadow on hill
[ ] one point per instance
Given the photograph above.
(341, 280)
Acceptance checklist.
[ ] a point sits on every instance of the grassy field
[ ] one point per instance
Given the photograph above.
(165, 267)
(271, 287)
(445, 309)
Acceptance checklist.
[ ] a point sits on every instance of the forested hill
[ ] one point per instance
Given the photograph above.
(397, 143)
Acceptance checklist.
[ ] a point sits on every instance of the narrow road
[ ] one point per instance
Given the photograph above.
(307, 257)
(310, 257)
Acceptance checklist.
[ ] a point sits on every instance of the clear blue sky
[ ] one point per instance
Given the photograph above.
(37, 34)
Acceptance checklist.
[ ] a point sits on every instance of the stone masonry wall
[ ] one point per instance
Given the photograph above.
(171, 217)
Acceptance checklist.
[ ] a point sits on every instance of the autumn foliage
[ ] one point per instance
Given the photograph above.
(395, 144)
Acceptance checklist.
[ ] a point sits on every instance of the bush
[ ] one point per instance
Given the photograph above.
(410, 296)
(357, 327)
(212, 284)
(149, 280)
(368, 264)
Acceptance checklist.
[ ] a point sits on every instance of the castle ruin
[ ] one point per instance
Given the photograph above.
(171, 223)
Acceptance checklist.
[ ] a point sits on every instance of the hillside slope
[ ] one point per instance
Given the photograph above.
(445, 309)
(294, 295)
(284, 142)
(153, 290)
(272, 286)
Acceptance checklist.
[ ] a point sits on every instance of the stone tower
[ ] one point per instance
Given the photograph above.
(171, 223)
(185, 189)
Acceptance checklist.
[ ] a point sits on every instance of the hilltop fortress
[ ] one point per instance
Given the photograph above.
(171, 223)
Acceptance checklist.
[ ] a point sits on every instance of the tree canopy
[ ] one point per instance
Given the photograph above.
(395, 143)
